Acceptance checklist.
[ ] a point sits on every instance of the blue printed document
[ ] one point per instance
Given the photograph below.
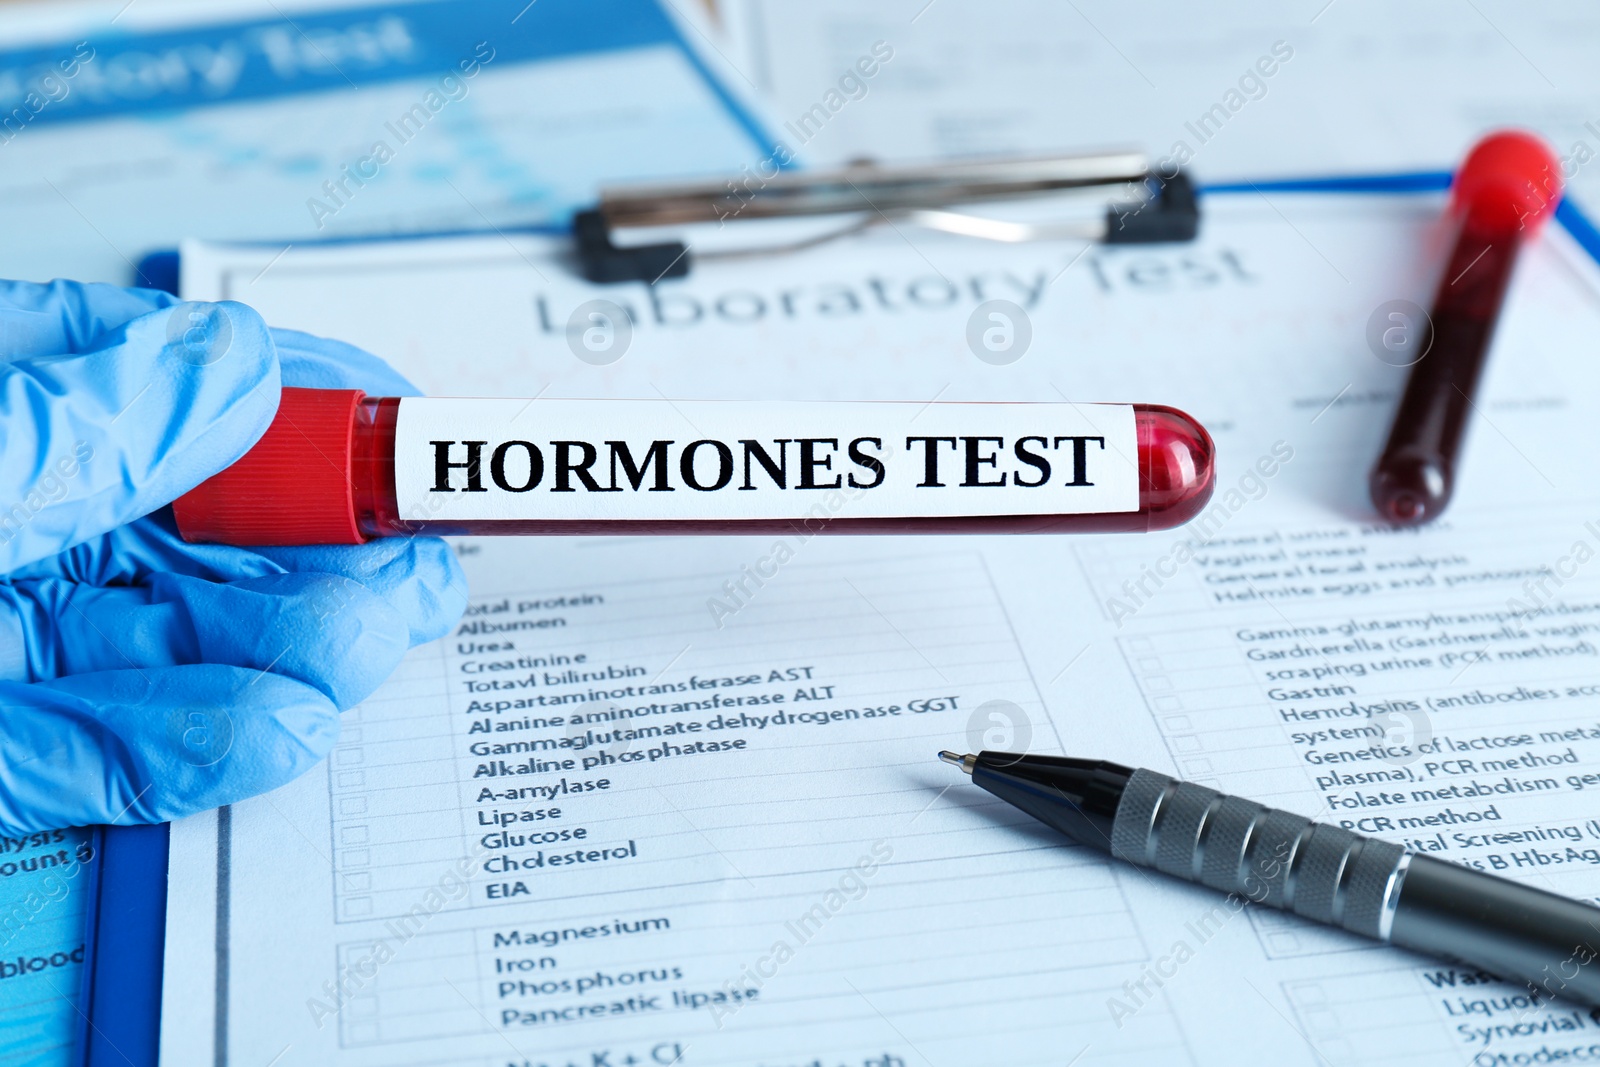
(333, 122)
(42, 942)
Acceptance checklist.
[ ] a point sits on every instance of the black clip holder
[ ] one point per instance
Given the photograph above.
(1171, 214)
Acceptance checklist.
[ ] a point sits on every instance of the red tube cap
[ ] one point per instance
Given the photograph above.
(294, 487)
(1510, 179)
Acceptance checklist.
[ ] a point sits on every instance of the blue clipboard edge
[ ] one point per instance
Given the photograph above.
(120, 1010)
(1567, 213)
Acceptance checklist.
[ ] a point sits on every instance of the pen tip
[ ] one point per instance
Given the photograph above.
(964, 762)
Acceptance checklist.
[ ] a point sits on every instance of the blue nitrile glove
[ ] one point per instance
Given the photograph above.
(142, 678)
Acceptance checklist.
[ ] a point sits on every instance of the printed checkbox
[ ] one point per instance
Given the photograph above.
(1167, 703)
(347, 756)
(1338, 1050)
(1284, 943)
(1193, 768)
(360, 1033)
(352, 805)
(355, 857)
(349, 735)
(351, 779)
(1319, 1022)
(1141, 645)
(354, 835)
(1178, 724)
(356, 881)
(1307, 994)
(1149, 665)
(1157, 683)
(364, 1006)
(1186, 744)
(353, 906)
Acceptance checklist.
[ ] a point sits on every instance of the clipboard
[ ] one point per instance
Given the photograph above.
(127, 920)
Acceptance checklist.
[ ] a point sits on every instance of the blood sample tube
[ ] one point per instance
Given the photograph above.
(339, 467)
(1504, 191)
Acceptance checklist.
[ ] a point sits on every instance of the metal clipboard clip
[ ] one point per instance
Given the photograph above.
(1145, 207)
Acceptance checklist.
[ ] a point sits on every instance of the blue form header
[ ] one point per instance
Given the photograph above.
(115, 73)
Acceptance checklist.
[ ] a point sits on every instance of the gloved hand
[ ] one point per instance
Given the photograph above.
(142, 678)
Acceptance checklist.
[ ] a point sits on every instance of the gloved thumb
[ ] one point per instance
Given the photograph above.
(94, 439)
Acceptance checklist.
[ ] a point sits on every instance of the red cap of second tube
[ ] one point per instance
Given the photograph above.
(1509, 180)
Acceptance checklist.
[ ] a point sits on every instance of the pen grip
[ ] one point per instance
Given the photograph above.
(1270, 857)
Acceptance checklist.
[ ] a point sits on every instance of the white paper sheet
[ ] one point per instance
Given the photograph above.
(883, 910)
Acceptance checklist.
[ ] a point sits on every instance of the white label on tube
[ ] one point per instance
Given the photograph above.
(474, 459)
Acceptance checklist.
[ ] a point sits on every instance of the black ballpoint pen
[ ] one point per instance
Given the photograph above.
(1365, 885)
